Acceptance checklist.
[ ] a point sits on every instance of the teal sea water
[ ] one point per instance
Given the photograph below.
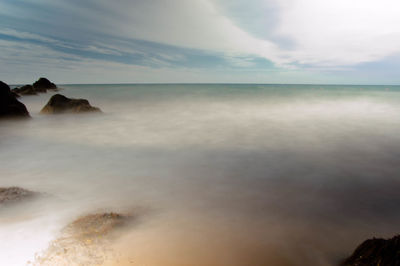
(227, 174)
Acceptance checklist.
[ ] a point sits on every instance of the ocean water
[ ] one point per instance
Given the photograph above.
(217, 174)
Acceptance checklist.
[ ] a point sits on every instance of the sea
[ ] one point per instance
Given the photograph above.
(216, 174)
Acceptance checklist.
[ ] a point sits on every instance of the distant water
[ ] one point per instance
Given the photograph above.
(228, 174)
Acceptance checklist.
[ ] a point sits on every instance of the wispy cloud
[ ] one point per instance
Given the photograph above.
(300, 37)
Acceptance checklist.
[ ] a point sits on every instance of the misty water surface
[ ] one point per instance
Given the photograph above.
(221, 174)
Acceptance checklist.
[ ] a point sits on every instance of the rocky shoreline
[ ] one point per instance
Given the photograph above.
(87, 239)
(10, 107)
(84, 241)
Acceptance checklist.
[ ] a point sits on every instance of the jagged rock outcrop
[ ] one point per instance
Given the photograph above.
(376, 251)
(25, 90)
(43, 84)
(60, 104)
(9, 105)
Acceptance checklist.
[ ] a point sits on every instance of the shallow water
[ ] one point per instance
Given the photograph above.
(227, 174)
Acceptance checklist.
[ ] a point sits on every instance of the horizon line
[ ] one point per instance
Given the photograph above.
(226, 83)
(216, 83)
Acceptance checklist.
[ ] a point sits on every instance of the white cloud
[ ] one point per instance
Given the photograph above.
(340, 32)
(190, 24)
(326, 34)
(26, 62)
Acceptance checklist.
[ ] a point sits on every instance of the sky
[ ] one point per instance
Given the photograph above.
(200, 41)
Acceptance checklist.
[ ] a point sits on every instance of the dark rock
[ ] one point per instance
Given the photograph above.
(376, 251)
(14, 194)
(16, 95)
(40, 86)
(9, 105)
(43, 84)
(60, 104)
(25, 90)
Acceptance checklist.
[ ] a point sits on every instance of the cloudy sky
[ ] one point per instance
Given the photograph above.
(249, 41)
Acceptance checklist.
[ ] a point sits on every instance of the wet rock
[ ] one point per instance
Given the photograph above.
(14, 194)
(9, 105)
(376, 251)
(25, 90)
(95, 225)
(16, 95)
(43, 84)
(40, 86)
(60, 104)
(85, 241)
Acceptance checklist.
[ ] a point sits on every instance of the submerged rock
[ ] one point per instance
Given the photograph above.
(25, 90)
(376, 251)
(43, 84)
(9, 105)
(85, 241)
(14, 194)
(95, 225)
(60, 104)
